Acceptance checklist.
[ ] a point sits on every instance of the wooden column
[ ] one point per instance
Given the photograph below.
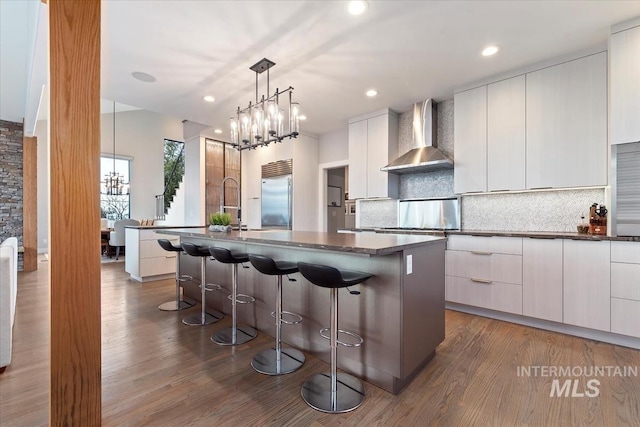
(30, 202)
(74, 221)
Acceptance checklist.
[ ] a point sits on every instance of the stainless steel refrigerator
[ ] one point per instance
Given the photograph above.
(277, 201)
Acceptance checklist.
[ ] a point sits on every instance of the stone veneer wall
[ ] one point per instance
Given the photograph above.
(11, 182)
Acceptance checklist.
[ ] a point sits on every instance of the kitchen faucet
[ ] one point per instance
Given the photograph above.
(222, 206)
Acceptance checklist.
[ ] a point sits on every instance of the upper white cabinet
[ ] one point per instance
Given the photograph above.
(373, 143)
(587, 284)
(506, 134)
(470, 134)
(625, 86)
(566, 124)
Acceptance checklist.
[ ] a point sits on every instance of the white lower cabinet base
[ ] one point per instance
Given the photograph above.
(625, 317)
(494, 295)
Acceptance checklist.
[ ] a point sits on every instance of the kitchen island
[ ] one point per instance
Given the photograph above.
(400, 312)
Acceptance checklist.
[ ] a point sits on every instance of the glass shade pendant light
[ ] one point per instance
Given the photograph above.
(263, 122)
(114, 182)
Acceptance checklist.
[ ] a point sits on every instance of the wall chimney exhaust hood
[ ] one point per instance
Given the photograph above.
(425, 156)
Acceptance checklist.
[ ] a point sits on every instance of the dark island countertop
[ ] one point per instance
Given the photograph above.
(371, 244)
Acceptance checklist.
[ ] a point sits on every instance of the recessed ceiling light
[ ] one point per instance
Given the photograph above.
(217, 131)
(143, 77)
(490, 50)
(302, 117)
(357, 7)
(209, 98)
(371, 93)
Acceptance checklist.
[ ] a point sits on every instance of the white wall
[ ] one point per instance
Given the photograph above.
(140, 134)
(334, 146)
(304, 152)
(194, 182)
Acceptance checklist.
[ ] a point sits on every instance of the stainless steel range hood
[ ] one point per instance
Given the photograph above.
(425, 156)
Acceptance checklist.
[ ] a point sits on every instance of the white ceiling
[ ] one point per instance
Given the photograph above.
(407, 50)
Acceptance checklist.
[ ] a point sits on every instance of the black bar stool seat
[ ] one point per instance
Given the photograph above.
(179, 303)
(333, 392)
(205, 317)
(277, 361)
(235, 334)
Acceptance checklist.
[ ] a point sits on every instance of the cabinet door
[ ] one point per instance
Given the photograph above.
(587, 284)
(377, 156)
(470, 134)
(625, 86)
(542, 279)
(505, 134)
(358, 160)
(566, 114)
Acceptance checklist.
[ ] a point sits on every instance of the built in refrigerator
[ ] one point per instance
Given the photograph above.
(277, 196)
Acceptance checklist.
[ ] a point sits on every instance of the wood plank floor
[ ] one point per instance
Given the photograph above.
(158, 372)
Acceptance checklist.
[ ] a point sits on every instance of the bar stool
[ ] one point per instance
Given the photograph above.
(235, 334)
(334, 392)
(277, 361)
(179, 303)
(204, 317)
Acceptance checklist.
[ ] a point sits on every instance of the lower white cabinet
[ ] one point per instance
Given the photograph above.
(625, 288)
(587, 284)
(145, 260)
(489, 294)
(542, 278)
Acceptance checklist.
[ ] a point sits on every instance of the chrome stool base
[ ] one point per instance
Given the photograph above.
(210, 317)
(225, 336)
(316, 391)
(266, 362)
(172, 306)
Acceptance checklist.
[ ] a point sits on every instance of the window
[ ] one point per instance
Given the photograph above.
(114, 206)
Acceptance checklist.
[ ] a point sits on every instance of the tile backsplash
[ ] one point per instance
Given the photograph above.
(377, 213)
(558, 210)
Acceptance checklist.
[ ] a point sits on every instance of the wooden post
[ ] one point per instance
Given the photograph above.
(30, 202)
(74, 253)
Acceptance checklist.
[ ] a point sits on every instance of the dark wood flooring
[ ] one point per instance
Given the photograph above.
(158, 372)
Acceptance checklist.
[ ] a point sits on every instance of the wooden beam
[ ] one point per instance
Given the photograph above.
(74, 217)
(30, 202)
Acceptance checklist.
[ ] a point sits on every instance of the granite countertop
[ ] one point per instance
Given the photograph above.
(359, 243)
(531, 234)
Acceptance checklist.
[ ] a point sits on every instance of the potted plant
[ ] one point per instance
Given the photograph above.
(220, 221)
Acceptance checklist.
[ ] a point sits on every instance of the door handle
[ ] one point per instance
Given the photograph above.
(485, 281)
(481, 253)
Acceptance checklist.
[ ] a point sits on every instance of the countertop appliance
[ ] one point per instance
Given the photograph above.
(277, 195)
(429, 214)
(625, 194)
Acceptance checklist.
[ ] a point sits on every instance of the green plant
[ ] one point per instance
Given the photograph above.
(220, 218)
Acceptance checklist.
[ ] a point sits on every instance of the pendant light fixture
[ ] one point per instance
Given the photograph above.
(114, 182)
(263, 122)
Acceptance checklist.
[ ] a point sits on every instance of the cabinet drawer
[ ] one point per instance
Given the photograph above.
(486, 266)
(500, 245)
(151, 249)
(156, 266)
(625, 317)
(495, 296)
(625, 252)
(625, 281)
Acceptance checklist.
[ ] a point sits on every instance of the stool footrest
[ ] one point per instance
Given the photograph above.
(210, 287)
(324, 333)
(242, 299)
(185, 278)
(296, 317)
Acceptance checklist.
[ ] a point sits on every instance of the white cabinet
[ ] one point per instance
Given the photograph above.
(145, 260)
(485, 272)
(470, 135)
(506, 134)
(373, 143)
(566, 124)
(542, 278)
(625, 86)
(625, 288)
(587, 284)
